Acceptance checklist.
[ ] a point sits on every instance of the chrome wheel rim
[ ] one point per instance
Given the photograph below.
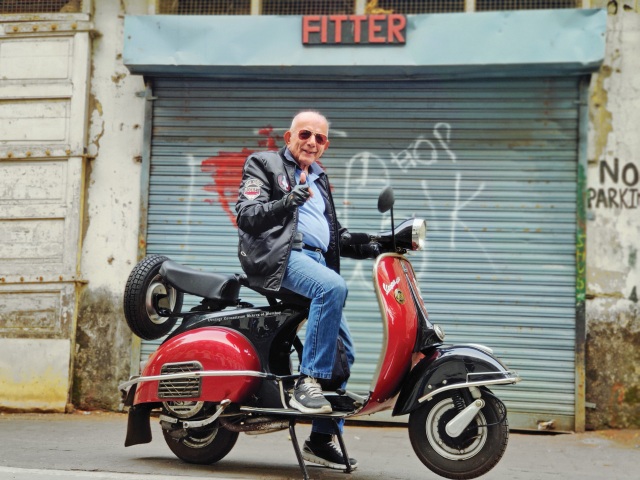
(156, 287)
(200, 442)
(444, 445)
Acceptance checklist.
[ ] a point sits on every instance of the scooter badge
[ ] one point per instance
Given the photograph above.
(399, 296)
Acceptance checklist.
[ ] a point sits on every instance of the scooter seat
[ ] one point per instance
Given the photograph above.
(284, 295)
(212, 286)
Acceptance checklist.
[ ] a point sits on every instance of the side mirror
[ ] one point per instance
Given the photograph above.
(386, 200)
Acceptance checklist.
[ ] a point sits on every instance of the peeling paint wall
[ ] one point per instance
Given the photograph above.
(613, 363)
(31, 383)
(613, 227)
(112, 198)
(103, 350)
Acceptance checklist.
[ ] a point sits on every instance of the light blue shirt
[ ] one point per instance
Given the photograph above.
(312, 222)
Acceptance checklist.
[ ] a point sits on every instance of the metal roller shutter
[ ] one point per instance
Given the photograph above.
(491, 164)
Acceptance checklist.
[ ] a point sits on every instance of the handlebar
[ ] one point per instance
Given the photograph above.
(349, 238)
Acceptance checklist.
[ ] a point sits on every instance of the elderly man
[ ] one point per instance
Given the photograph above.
(290, 238)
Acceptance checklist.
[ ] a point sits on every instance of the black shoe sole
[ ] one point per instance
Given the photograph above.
(313, 458)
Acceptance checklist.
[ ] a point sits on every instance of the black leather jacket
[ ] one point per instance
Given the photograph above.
(266, 229)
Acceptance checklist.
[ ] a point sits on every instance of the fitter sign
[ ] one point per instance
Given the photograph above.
(354, 29)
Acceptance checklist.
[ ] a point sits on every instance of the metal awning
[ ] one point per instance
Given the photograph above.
(483, 44)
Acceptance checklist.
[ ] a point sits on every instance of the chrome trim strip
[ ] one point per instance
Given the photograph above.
(513, 378)
(205, 373)
(479, 346)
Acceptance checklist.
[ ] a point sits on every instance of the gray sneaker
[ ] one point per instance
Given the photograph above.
(308, 398)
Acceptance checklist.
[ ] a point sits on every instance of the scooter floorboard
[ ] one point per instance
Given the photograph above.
(290, 412)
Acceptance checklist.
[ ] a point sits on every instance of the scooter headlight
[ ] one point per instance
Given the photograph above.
(418, 234)
(439, 332)
(409, 235)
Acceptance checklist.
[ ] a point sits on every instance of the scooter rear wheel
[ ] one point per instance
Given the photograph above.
(471, 454)
(143, 286)
(202, 446)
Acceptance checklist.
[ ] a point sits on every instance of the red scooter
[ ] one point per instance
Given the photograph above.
(227, 368)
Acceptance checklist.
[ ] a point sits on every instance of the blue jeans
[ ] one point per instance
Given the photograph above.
(308, 275)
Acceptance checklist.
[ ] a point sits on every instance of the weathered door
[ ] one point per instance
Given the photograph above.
(44, 73)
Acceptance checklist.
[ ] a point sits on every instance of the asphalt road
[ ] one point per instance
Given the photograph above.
(90, 446)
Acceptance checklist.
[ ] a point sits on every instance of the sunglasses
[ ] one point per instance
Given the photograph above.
(306, 135)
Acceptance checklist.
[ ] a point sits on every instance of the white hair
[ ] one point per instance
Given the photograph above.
(308, 112)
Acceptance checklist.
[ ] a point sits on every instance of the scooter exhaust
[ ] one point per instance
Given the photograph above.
(255, 426)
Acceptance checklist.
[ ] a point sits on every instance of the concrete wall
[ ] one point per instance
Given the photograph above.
(110, 232)
(613, 226)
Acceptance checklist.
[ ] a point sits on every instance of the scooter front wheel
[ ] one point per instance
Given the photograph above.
(202, 446)
(473, 453)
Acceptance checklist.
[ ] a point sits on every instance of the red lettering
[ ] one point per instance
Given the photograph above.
(396, 24)
(353, 29)
(323, 34)
(338, 19)
(308, 28)
(375, 27)
(357, 26)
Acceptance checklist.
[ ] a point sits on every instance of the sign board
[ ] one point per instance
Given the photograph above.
(354, 29)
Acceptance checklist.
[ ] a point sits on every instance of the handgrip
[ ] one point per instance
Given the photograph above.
(349, 238)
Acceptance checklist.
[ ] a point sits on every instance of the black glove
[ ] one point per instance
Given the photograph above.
(297, 197)
(350, 238)
(370, 250)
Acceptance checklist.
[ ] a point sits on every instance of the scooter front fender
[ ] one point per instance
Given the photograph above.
(446, 368)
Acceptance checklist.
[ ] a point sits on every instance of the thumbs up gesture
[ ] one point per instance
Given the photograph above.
(299, 194)
(303, 181)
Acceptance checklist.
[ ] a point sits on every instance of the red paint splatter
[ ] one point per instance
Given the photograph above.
(226, 172)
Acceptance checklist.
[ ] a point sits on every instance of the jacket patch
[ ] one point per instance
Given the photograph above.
(251, 188)
(283, 183)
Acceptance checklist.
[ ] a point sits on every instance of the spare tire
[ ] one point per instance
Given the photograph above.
(143, 286)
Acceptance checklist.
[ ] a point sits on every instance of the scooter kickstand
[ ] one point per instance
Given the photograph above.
(343, 447)
(296, 448)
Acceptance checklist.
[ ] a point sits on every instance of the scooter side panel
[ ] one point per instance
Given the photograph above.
(392, 277)
(215, 348)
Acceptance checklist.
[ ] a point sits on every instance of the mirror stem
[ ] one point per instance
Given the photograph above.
(393, 232)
